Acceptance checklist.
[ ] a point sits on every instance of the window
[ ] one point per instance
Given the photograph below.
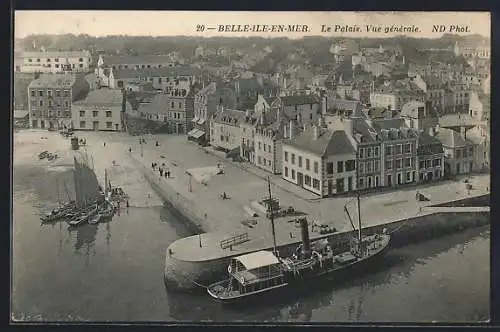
(315, 167)
(66, 103)
(436, 162)
(408, 148)
(82, 113)
(49, 93)
(260, 146)
(259, 160)
(368, 152)
(180, 105)
(377, 165)
(457, 153)
(315, 183)
(59, 113)
(286, 171)
(82, 124)
(269, 148)
(293, 174)
(109, 125)
(37, 60)
(264, 148)
(399, 149)
(81, 59)
(66, 93)
(408, 177)
(407, 162)
(41, 102)
(369, 166)
(40, 93)
(307, 180)
(56, 59)
(286, 155)
(361, 152)
(421, 164)
(80, 65)
(350, 165)
(300, 161)
(33, 93)
(30, 60)
(58, 93)
(307, 164)
(50, 103)
(376, 151)
(95, 113)
(340, 166)
(428, 163)
(329, 168)
(388, 165)
(172, 105)
(159, 80)
(269, 162)
(265, 162)
(293, 158)
(108, 114)
(361, 183)
(399, 163)
(388, 150)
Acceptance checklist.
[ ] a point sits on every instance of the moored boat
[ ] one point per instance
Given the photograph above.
(95, 219)
(264, 272)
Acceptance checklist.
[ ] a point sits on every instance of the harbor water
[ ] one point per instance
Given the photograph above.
(114, 272)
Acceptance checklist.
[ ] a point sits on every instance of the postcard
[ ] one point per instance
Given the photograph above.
(257, 167)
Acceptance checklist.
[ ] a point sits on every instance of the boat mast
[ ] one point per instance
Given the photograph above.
(105, 183)
(58, 196)
(271, 213)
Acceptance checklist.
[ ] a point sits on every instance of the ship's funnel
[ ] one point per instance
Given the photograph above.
(306, 244)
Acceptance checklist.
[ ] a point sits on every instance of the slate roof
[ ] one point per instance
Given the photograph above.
(328, 143)
(157, 106)
(53, 81)
(363, 128)
(456, 120)
(425, 139)
(110, 60)
(229, 116)
(298, 100)
(410, 109)
(54, 54)
(344, 104)
(155, 72)
(451, 138)
(379, 124)
(102, 97)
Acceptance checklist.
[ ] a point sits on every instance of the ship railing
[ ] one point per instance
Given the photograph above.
(234, 240)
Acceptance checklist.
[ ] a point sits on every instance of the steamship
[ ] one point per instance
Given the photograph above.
(255, 274)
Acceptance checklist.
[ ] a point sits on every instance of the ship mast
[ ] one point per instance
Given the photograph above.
(271, 213)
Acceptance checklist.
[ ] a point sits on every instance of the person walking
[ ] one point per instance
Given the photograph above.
(129, 149)
(104, 143)
(161, 171)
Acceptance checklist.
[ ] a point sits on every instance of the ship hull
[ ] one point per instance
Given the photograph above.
(311, 279)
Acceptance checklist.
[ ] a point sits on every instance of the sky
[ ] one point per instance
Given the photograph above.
(175, 23)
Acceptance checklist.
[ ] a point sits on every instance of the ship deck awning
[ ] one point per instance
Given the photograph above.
(257, 259)
(200, 121)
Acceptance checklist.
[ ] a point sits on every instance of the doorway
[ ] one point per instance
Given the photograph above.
(95, 125)
(389, 180)
(300, 179)
(330, 187)
(340, 185)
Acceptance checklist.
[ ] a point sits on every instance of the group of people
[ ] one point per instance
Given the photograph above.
(161, 169)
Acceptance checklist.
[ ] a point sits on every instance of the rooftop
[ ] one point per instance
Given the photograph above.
(329, 142)
(102, 97)
(53, 81)
(451, 138)
(229, 116)
(54, 54)
(141, 59)
(155, 72)
(298, 100)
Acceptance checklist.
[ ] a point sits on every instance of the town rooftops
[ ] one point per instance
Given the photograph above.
(456, 120)
(362, 128)
(229, 116)
(111, 60)
(158, 105)
(53, 81)
(410, 109)
(155, 72)
(451, 138)
(425, 139)
(102, 97)
(329, 142)
(54, 54)
(345, 105)
(298, 100)
(208, 90)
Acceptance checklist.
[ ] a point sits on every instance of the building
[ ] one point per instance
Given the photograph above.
(163, 78)
(180, 108)
(458, 151)
(456, 98)
(480, 137)
(269, 133)
(472, 50)
(248, 128)
(51, 98)
(369, 149)
(321, 160)
(225, 130)
(205, 104)
(398, 151)
(305, 109)
(54, 62)
(135, 62)
(395, 94)
(418, 116)
(157, 109)
(479, 106)
(430, 157)
(102, 109)
(20, 90)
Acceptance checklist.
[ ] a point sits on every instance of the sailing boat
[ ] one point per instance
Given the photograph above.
(264, 272)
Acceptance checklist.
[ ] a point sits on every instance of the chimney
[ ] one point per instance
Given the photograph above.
(315, 132)
(305, 237)
(291, 132)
